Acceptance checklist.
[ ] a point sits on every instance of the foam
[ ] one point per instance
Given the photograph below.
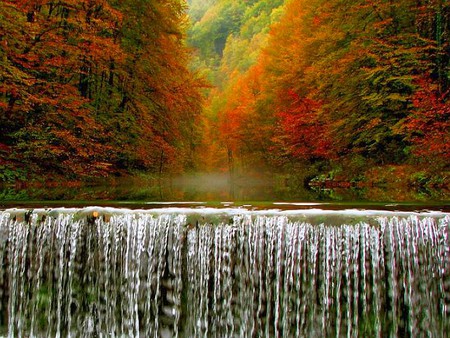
(231, 211)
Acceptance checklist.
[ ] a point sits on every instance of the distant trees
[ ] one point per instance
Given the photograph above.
(96, 87)
(233, 126)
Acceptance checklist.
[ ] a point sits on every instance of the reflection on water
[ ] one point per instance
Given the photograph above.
(211, 188)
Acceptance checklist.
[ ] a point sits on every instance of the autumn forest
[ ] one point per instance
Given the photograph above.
(319, 88)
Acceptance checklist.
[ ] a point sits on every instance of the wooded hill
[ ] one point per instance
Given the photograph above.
(95, 87)
(333, 87)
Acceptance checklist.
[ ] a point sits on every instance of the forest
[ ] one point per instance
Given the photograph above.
(336, 89)
(95, 88)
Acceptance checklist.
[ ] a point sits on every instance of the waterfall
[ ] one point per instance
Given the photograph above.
(223, 273)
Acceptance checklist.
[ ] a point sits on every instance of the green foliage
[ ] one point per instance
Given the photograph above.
(230, 34)
(197, 8)
(9, 174)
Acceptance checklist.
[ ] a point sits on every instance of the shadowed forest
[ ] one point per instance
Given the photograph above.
(342, 91)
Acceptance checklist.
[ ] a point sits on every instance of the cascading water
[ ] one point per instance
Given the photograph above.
(223, 273)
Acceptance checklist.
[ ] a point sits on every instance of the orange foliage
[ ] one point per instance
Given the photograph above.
(86, 85)
(429, 123)
(300, 132)
(237, 123)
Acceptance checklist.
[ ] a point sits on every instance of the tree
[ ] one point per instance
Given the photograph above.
(94, 87)
(339, 80)
(429, 123)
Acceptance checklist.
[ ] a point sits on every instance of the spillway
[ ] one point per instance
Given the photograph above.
(187, 272)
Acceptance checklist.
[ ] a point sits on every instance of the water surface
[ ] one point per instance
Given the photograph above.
(284, 192)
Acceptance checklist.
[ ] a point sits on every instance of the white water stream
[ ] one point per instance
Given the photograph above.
(223, 273)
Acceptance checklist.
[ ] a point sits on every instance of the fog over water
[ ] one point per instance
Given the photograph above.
(219, 189)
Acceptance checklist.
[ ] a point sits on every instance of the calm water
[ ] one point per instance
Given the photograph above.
(219, 190)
